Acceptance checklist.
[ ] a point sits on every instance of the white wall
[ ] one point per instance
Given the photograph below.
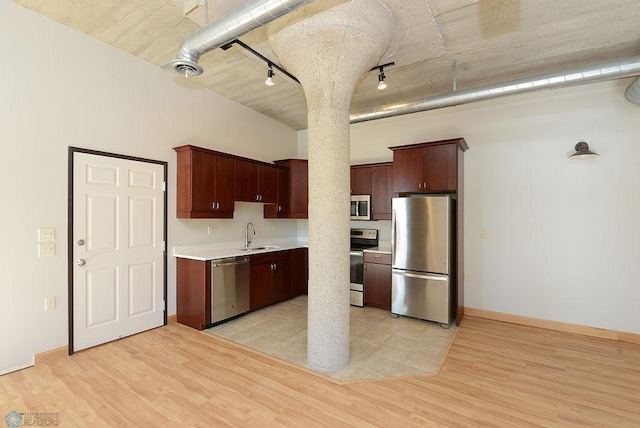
(564, 235)
(59, 89)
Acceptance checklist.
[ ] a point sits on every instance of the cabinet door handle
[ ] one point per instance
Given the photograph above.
(419, 185)
(213, 205)
(424, 185)
(217, 205)
(279, 208)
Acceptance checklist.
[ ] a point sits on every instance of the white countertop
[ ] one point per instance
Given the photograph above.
(224, 250)
(383, 247)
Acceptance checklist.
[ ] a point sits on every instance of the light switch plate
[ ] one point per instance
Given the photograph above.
(49, 303)
(46, 250)
(46, 234)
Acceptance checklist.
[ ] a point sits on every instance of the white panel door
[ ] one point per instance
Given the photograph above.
(118, 248)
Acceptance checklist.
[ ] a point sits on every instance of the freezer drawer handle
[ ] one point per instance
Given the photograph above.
(419, 276)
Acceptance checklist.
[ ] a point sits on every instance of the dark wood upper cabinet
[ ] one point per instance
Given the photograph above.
(427, 167)
(381, 191)
(360, 180)
(281, 208)
(205, 183)
(298, 187)
(375, 179)
(255, 182)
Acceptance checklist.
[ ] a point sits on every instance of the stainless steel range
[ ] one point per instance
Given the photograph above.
(361, 239)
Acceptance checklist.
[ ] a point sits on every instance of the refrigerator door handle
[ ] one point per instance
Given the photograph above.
(420, 275)
(393, 237)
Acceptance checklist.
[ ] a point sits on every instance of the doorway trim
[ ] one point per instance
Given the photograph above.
(72, 151)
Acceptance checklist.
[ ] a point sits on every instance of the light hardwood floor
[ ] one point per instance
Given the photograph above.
(495, 374)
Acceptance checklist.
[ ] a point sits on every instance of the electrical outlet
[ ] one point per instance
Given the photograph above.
(209, 230)
(46, 234)
(46, 250)
(49, 303)
(485, 234)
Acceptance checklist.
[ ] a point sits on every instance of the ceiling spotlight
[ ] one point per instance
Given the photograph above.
(269, 81)
(381, 84)
(583, 152)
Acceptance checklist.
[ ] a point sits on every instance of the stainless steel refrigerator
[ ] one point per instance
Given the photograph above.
(423, 257)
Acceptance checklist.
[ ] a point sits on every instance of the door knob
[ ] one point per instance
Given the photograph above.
(81, 242)
(81, 262)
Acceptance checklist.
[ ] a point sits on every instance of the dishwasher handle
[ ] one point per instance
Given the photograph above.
(230, 262)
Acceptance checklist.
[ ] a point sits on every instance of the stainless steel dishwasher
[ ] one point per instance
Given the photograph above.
(229, 288)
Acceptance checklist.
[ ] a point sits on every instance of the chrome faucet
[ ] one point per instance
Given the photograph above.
(250, 230)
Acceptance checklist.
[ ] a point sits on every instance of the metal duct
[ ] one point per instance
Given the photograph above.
(608, 71)
(251, 15)
(633, 92)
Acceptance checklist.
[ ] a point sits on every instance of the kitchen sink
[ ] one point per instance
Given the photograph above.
(264, 247)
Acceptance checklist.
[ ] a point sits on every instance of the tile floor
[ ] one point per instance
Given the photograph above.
(381, 346)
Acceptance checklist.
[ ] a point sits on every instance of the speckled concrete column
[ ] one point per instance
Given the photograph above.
(329, 52)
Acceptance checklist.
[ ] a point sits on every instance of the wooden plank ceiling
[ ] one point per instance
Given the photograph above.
(491, 41)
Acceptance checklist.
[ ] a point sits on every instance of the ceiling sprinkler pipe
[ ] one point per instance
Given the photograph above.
(245, 18)
(598, 73)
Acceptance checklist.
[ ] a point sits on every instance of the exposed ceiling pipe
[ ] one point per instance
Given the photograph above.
(633, 92)
(608, 71)
(247, 17)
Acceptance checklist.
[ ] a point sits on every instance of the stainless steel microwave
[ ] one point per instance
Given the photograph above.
(360, 207)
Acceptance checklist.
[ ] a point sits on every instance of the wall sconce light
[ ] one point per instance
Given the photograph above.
(583, 152)
(269, 81)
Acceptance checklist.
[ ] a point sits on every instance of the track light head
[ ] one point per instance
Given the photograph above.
(381, 83)
(269, 81)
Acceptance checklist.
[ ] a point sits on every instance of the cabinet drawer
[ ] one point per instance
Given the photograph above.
(380, 258)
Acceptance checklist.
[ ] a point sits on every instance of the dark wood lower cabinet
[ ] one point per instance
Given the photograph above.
(299, 271)
(193, 293)
(279, 276)
(274, 277)
(377, 280)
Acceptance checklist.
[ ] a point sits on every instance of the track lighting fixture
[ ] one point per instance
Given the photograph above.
(269, 81)
(381, 83)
